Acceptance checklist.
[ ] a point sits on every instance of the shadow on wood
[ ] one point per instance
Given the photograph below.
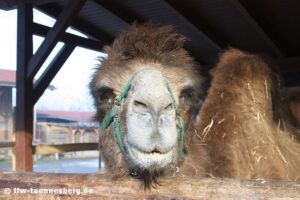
(99, 186)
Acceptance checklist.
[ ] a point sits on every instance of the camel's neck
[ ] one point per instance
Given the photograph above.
(196, 162)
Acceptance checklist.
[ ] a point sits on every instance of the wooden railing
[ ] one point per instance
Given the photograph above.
(98, 186)
(62, 148)
(44, 149)
(59, 148)
(6, 144)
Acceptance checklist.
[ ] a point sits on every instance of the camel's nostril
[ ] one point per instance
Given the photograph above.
(140, 104)
(140, 107)
(169, 107)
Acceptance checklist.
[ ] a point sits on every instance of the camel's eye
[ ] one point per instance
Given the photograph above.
(188, 95)
(105, 95)
(104, 100)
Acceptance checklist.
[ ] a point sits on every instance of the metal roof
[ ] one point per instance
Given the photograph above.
(7, 78)
(268, 27)
(76, 116)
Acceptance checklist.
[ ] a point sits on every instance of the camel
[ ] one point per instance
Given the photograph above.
(239, 125)
(146, 92)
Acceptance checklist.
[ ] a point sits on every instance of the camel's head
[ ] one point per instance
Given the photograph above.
(146, 86)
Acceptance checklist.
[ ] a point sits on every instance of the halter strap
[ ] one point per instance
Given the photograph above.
(113, 116)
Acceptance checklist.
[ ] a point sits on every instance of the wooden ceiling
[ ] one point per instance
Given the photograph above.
(267, 27)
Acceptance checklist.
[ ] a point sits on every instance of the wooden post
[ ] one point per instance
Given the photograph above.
(27, 67)
(24, 105)
(96, 186)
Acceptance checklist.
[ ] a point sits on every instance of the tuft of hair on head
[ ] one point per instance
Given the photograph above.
(147, 41)
(149, 178)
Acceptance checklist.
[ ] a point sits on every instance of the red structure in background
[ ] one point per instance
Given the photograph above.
(7, 78)
(51, 126)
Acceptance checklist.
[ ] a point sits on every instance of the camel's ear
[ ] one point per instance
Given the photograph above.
(104, 99)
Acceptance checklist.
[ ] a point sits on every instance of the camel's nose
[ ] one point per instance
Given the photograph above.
(151, 115)
(152, 103)
(150, 95)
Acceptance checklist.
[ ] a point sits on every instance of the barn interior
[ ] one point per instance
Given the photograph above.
(264, 27)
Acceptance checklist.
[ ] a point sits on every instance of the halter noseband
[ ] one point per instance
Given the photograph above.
(114, 116)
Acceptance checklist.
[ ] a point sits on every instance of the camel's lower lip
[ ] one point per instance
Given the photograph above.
(150, 158)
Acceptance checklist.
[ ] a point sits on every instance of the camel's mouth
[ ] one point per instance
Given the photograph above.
(153, 158)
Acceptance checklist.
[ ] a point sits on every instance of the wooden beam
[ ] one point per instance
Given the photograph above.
(289, 64)
(201, 46)
(257, 29)
(44, 81)
(95, 45)
(53, 36)
(99, 186)
(118, 9)
(24, 105)
(12, 4)
(79, 24)
(62, 148)
(6, 144)
(229, 24)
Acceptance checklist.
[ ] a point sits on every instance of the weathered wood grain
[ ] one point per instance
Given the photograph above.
(99, 186)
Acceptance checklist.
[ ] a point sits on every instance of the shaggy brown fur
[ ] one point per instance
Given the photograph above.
(143, 47)
(242, 139)
(236, 135)
(150, 46)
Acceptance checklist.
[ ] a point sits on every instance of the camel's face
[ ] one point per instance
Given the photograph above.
(151, 140)
(149, 117)
(149, 143)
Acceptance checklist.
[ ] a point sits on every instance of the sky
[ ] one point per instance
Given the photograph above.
(72, 80)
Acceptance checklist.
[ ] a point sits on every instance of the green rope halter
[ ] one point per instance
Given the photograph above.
(113, 116)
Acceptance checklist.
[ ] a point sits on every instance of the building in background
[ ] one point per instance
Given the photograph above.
(7, 83)
(51, 126)
(62, 127)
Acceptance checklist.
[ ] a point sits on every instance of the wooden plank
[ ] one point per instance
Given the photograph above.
(44, 81)
(291, 64)
(62, 148)
(53, 36)
(6, 144)
(95, 45)
(12, 4)
(273, 48)
(161, 12)
(99, 186)
(229, 24)
(79, 24)
(24, 107)
(119, 10)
